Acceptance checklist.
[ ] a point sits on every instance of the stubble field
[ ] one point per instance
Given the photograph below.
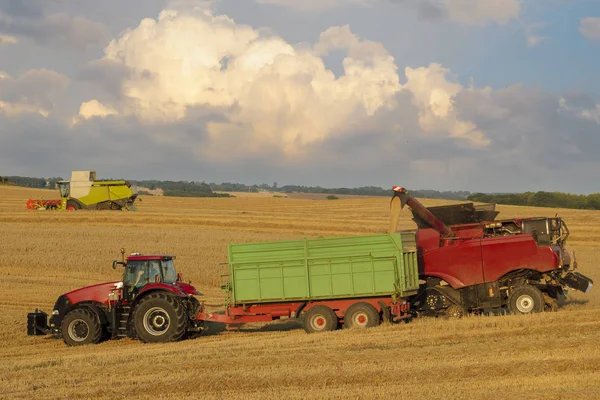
(44, 254)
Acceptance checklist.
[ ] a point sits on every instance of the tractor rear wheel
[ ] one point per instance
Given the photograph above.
(81, 326)
(319, 319)
(159, 317)
(361, 315)
(526, 300)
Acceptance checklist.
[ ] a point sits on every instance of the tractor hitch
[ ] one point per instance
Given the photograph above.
(37, 323)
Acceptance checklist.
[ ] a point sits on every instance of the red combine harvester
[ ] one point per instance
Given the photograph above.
(470, 262)
(460, 260)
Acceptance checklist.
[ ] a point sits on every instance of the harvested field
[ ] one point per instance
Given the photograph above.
(45, 253)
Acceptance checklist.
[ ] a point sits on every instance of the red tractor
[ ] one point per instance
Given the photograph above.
(151, 303)
(470, 262)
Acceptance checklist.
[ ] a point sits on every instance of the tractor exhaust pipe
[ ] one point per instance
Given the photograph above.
(402, 198)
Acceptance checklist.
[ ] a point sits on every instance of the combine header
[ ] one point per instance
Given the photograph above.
(84, 191)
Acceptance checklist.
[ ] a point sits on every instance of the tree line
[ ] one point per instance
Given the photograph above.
(203, 189)
(541, 199)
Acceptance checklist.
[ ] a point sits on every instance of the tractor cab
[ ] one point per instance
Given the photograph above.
(141, 270)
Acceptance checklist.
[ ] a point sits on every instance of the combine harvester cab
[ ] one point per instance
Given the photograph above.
(84, 191)
(470, 262)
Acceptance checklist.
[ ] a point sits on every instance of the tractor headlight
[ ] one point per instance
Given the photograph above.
(55, 312)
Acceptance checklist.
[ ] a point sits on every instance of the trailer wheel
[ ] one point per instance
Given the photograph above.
(526, 300)
(361, 315)
(159, 317)
(81, 326)
(319, 319)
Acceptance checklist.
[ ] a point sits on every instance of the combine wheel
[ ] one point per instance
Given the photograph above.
(455, 312)
(73, 205)
(81, 326)
(159, 317)
(526, 300)
(319, 319)
(361, 315)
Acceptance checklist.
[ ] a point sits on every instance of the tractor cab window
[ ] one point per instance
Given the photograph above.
(140, 273)
(168, 271)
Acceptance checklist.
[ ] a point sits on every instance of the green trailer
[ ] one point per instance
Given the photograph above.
(355, 280)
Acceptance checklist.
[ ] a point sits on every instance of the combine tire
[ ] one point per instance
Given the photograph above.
(319, 319)
(159, 318)
(455, 312)
(73, 205)
(361, 315)
(526, 300)
(81, 326)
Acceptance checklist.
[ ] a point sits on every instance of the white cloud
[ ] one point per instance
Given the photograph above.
(590, 28)
(94, 108)
(434, 96)
(480, 12)
(270, 92)
(592, 114)
(8, 39)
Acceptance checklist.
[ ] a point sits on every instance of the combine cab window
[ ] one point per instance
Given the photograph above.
(64, 189)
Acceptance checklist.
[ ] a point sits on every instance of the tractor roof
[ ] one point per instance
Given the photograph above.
(146, 257)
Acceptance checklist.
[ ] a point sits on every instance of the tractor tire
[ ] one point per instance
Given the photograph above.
(81, 326)
(361, 315)
(319, 319)
(526, 300)
(72, 205)
(159, 317)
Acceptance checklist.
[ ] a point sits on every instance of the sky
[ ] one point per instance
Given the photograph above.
(477, 95)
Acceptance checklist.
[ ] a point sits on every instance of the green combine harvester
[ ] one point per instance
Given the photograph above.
(85, 192)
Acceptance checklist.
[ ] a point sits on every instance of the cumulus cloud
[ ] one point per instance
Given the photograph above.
(590, 28)
(268, 93)
(32, 92)
(434, 95)
(94, 108)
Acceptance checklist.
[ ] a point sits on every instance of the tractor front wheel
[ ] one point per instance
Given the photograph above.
(159, 317)
(81, 326)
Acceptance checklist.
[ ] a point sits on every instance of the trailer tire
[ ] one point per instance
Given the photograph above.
(159, 317)
(319, 319)
(361, 315)
(526, 300)
(81, 326)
